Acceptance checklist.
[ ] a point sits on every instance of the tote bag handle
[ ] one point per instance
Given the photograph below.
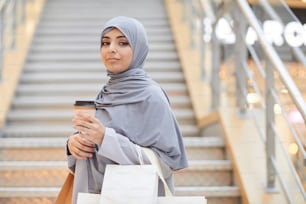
(156, 163)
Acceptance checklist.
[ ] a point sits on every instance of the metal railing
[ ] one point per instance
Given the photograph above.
(12, 13)
(269, 69)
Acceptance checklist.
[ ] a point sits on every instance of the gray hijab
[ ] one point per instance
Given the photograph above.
(135, 106)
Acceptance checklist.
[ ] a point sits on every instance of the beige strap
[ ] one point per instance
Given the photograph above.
(156, 163)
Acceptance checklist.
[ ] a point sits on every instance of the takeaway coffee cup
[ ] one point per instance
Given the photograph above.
(85, 107)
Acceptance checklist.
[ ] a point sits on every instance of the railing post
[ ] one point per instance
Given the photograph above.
(240, 28)
(270, 120)
(202, 46)
(215, 80)
(193, 29)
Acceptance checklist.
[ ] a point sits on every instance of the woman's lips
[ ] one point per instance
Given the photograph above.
(112, 59)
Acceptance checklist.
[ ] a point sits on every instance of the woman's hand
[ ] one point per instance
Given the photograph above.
(89, 127)
(80, 147)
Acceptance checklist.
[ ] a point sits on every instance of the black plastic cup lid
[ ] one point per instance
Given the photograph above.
(84, 103)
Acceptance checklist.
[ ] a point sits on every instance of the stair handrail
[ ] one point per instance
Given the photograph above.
(276, 64)
(300, 56)
(285, 76)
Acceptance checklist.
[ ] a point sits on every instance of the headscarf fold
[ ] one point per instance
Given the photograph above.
(135, 106)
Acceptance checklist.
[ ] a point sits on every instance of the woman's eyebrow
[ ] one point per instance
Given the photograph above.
(118, 37)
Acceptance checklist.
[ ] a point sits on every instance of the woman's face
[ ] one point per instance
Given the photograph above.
(116, 52)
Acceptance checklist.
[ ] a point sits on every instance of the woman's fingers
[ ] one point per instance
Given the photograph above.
(90, 127)
(80, 147)
(83, 123)
(84, 117)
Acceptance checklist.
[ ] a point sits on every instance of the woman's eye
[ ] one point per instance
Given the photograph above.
(104, 43)
(124, 43)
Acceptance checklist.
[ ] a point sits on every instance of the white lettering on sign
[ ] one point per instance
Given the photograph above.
(294, 33)
(224, 32)
(273, 31)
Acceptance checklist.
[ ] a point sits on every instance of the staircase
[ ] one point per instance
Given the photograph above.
(63, 65)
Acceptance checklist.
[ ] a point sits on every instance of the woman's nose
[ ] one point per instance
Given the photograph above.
(113, 48)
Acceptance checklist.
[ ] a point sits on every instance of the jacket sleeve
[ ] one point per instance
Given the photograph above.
(70, 160)
(120, 149)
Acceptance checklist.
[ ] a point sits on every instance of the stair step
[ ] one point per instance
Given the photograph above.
(33, 178)
(59, 142)
(95, 56)
(32, 173)
(91, 77)
(205, 173)
(100, 5)
(58, 89)
(39, 130)
(57, 130)
(208, 191)
(52, 173)
(32, 165)
(53, 148)
(153, 66)
(33, 149)
(76, 88)
(91, 10)
(38, 102)
(184, 116)
(80, 40)
(60, 48)
(34, 153)
(28, 192)
(205, 148)
(212, 141)
(59, 154)
(38, 117)
(95, 14)
(50, 22)
(219, 191)
(204, 165)
(209, 165)
(27, 142)
(80, 31)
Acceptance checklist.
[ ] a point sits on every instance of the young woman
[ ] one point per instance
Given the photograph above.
(132, 111)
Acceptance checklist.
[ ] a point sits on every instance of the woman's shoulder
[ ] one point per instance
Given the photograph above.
(157, 93)
(154, 89)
